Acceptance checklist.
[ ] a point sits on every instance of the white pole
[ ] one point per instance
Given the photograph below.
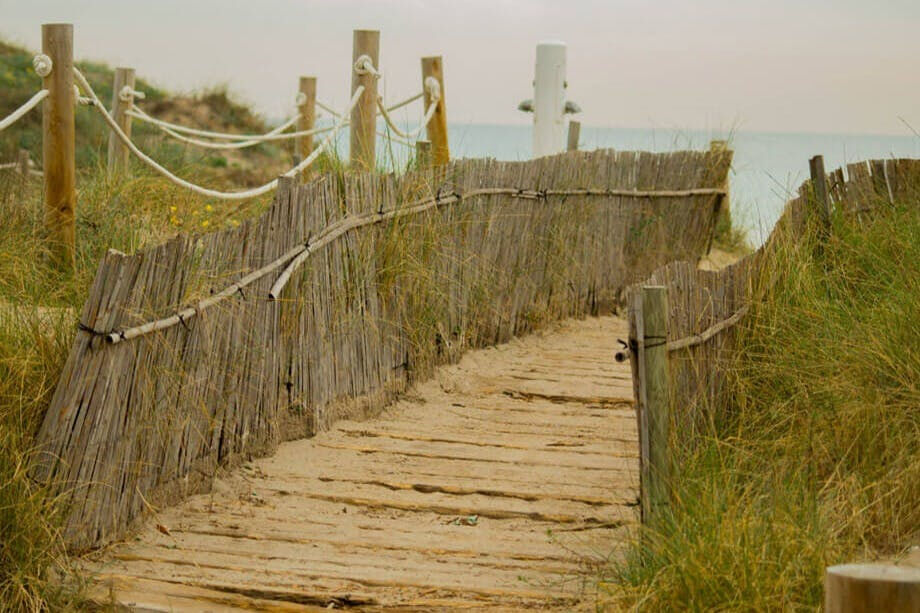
(549, 99)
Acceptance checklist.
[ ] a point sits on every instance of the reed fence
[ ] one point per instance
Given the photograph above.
(400, 274)
(703, 307)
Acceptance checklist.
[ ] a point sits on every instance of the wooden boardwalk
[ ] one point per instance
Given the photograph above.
(499, 484)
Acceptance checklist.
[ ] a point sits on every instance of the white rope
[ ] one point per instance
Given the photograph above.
(136, 112)
(365, 65)
(78, 99)
(258, 191)
(42, 65)
(275, 134)
(9, 165)
(328, 109)
(25, 108)
(396, 139)
(128, 94)
(406, 102)
(413, 133)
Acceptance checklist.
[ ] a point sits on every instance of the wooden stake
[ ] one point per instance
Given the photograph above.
(725, 213)
(25, 163)
(58, 136)
(118, 153)
(574, 134)
(654, 355)
(867, 588)
(819, 183)
(437, 127)
(306, 121)
(422, 154)
(364, 115)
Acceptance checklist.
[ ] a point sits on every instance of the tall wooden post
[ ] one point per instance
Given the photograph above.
(655, 393)
(574, 135)
(364, 115)
(118, 153)
(307, 120)
(58, 135)
(819, 184)
(422, 154)
(867, 588)
(437, 128)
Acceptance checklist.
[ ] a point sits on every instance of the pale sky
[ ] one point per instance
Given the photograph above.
(766, 65)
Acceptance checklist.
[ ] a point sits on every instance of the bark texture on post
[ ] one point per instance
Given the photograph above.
(307, 120)
(118, 153)
(58, 141)
(364, 116)
(819, 184)
(656, 476)
(437, 127)
(574, 135)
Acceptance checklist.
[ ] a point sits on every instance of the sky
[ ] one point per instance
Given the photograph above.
(830, 66)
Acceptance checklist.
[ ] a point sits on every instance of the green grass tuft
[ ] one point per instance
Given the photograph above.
(818, 460)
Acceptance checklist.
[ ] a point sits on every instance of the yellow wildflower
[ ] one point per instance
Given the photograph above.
(205, 223)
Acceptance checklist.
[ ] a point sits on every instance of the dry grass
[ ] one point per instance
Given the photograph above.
(818, 460)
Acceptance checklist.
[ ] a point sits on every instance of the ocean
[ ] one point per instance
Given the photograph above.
(767, 170)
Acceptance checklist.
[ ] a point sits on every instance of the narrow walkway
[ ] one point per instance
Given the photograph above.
(499, 484)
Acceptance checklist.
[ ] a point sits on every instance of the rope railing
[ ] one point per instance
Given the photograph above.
(30, 104)
(240, 195)
(273, 135)
(138, 113)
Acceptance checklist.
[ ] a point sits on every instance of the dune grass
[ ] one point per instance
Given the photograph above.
(817, 462)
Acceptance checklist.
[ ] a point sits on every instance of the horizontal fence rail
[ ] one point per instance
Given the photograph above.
(479, 251)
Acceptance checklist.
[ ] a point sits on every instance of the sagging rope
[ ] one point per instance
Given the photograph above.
(136, 112)
(251, 193)
(30, 104)
(426, 119)
(275, 134)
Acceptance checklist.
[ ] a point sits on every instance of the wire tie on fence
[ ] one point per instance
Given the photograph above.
(85, 328)
(241, 292)
(653, 345)
(183, 322)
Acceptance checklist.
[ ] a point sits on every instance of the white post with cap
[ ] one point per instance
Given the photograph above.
(549, 99)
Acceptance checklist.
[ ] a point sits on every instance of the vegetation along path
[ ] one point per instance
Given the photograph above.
(492, 485)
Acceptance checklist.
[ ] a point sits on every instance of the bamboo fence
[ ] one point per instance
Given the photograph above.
(705, 306)
(400, 274)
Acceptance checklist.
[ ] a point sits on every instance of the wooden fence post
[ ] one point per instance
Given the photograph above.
(118, 153)
(819, 184)
(574, 134)
(866, 588)
(725, 213)
(25, 164)
(437, 128)
(58, 136)
(422, 154)
(306, 108)
(655, 392)
(363, 153)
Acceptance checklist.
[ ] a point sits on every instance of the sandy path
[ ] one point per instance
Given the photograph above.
(495, 485)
